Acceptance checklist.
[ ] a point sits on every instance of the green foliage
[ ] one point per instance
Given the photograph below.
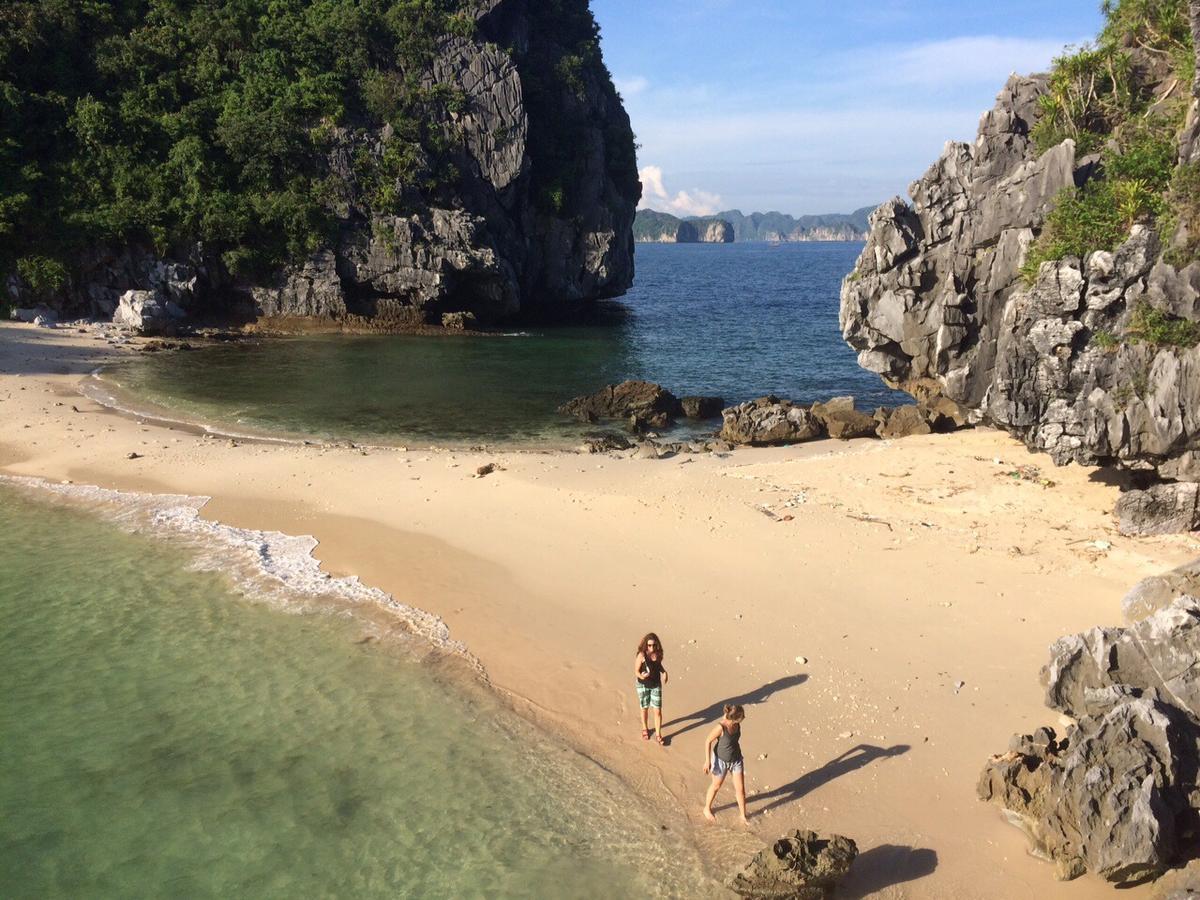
(41, 273)
(1105, 340)
(564, 50)
(1094, 89)
(1184, 203)
(1159, 329)
(170, 121)
(1081, 221)
(1088, 94)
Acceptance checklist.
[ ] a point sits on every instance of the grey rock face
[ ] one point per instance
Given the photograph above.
(147, 313)
(769, 420)
(801, 866)
(937, 306)
(1111, 798)
(487, 243)
(1161, 509)
(1157, 592)
(1117, 794)
(842, 421)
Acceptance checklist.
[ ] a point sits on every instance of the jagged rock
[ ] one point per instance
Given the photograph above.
(769, 420)
(801, 866)
(702, 407)
(1157, 592)
(648, 405)
(936, 303)
(513, 234)
(1160, 509)
(30, 315)
(903, 421)
(146, 313)
(1092, 672)
(605, 443)
(842, 421)
(1111, 798)
(1117, 794)
(458, 321)
(47, 321)
(1180, 884)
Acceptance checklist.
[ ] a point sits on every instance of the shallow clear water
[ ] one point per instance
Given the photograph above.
(735, 320)
(165, 735)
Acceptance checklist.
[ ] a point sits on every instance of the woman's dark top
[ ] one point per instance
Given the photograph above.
(655, 667)
(729, 744)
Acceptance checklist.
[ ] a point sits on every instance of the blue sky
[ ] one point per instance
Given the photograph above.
(813, 107)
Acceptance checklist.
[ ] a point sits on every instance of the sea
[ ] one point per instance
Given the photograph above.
(190, 710)
(738, 321)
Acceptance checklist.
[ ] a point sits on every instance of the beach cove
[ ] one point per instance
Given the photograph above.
(882, 608)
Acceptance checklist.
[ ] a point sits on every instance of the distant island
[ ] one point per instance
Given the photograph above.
(652, 227)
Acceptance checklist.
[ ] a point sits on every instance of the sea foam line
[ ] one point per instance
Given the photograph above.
(270, 566)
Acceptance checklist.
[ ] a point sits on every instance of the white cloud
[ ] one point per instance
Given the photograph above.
(631, 86)
(684, 203)
(971, 59)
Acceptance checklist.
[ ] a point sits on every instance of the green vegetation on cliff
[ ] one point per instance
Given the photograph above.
(170, 122)
(1125, 99)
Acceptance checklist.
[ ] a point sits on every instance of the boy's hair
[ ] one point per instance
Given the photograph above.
(734, 712)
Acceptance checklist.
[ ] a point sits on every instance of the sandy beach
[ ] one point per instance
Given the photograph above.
(882, 608)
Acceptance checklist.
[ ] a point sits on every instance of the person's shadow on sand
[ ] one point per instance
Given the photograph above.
(709, 714)
(850, 761)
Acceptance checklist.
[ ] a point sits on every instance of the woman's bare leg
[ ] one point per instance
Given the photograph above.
(739, 791)
(658, 722)
(717, 781)
(645, 719)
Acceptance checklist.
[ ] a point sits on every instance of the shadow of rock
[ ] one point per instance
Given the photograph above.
(886, 866)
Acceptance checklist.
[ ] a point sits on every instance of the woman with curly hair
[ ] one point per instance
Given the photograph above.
(651, 676)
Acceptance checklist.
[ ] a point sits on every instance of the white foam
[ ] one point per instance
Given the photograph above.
(269, 566)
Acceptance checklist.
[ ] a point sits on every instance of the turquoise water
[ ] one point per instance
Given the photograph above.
(737, 320)
(165, 734)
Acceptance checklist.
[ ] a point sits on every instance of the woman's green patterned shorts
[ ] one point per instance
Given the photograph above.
(649, 696)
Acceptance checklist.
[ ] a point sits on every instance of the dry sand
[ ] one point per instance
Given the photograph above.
(918, 580)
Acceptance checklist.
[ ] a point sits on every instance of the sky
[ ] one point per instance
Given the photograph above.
(815, 107)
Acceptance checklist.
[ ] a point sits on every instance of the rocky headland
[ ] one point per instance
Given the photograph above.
(651, 227)
(1050, 287)
(487, 170)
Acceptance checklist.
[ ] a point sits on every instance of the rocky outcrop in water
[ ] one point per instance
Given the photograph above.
(653, 227)
(535, 221)
(937, 306)
(1116, 794)
(801, 866)
(647, 403)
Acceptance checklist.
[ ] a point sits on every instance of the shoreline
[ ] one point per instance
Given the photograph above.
(550, 569)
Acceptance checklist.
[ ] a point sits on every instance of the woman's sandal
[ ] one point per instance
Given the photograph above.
(659, 738)
(645, 734)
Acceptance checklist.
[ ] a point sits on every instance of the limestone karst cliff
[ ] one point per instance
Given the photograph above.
(1045, 277)
(460, 155)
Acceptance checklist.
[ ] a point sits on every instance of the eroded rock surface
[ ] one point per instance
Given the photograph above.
(1116, 795)
(648, 403)
(769, 420)
(801, 866)
(937, 305)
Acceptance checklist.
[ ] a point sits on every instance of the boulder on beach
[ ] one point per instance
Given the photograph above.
(903, 421)
(842, 421)
(649, 404)
(801, 866)
(1116, 795)
(1161, 509)
(148, 313)
(769, 420)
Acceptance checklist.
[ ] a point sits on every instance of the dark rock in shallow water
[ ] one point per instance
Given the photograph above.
(605, 443)
(769, 420)
(652, 405)
(1160, 509)
(801, 866)
(702, 407)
